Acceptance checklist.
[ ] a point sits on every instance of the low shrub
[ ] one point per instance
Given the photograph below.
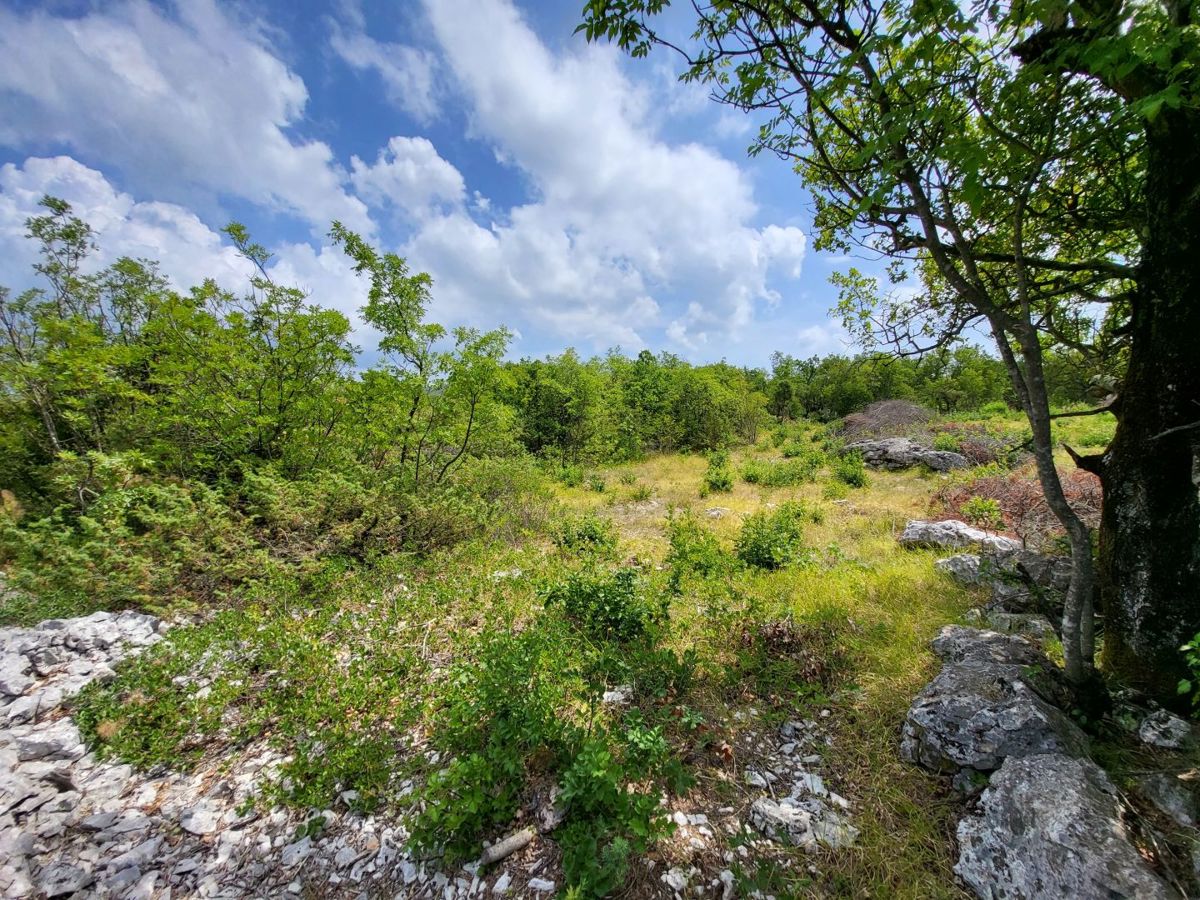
(772, 539)
(718, 477)
(1023, 507)
(850, 469)
(786, 473)
(946, 440)
(606, 606)
(587, 534)
(694, 550)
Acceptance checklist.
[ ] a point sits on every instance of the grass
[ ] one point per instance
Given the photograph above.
(366, 660)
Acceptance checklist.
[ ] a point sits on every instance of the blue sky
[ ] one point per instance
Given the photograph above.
(581, 198)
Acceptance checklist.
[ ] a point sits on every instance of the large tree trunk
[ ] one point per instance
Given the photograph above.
(1150, 530)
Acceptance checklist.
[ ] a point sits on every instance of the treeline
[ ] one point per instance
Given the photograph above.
(152, 436)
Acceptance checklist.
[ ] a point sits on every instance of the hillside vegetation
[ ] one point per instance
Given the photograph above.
(453, 591)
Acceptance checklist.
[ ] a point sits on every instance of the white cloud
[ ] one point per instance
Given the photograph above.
(410, 175)
(618, 214)
(188, 250)
(407, 73)
(190, 105)
(819, 340)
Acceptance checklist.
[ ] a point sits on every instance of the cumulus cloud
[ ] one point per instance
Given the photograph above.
(620, 218)
(187, 248)
(184, 103)
(410, 175)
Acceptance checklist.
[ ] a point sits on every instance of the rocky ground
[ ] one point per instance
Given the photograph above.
(72, 825)
(1049, 822)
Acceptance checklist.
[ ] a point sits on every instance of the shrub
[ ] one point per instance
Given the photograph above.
(500, 709)
(946, 440)
(587, 533)
(571, 476)
(773, 539)
(693, 550)
(781, 474)
(850, 469)
(1023, 507)
(641, 493)
(718, 477)
(628, 479)
(609, 822)
(606, 606)
(983, 512)
(119, 539)
(884, 418)
(994, 408)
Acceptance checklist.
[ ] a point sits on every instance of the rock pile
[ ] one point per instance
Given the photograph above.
(1050, 823)
(901, 453)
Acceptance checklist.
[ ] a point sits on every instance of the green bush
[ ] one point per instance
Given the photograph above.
(718, 478)
(693, 550)
(947, 440)
(787, 473)
(571, 476)
(597, 483)
(588, 534)
(994, 408)
(117, 539)
(983, 512)
(606, 606)
(501, 707)
(772, 539)
(850, 469)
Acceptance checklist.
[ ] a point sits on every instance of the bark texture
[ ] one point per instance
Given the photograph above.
(1150, 528)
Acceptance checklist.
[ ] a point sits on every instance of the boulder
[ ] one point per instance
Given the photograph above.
(1050, 826)
(1173, 797)
(1166, 731)
(997, 696)
(902, 453)
(953, 534)
(965, 568)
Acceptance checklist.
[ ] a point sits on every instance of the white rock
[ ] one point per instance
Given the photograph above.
(541, 884)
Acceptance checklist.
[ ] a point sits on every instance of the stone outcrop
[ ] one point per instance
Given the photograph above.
(1050, 823)
(1021, 581)
(902, 453)
(989, 702)
(954, 535)
(1051, 826)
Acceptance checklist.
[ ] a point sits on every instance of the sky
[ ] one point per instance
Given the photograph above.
(576, 196)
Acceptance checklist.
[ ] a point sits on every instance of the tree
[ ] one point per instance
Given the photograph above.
(1146, 57)
(921, 143)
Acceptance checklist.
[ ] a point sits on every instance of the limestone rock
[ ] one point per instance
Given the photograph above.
(902, 453)
(1050, 826)
(1172, 796)
(1030, 625)
(1166, 731)
(989, 702)
(953, 534)
(964, 568)
(802, 823)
